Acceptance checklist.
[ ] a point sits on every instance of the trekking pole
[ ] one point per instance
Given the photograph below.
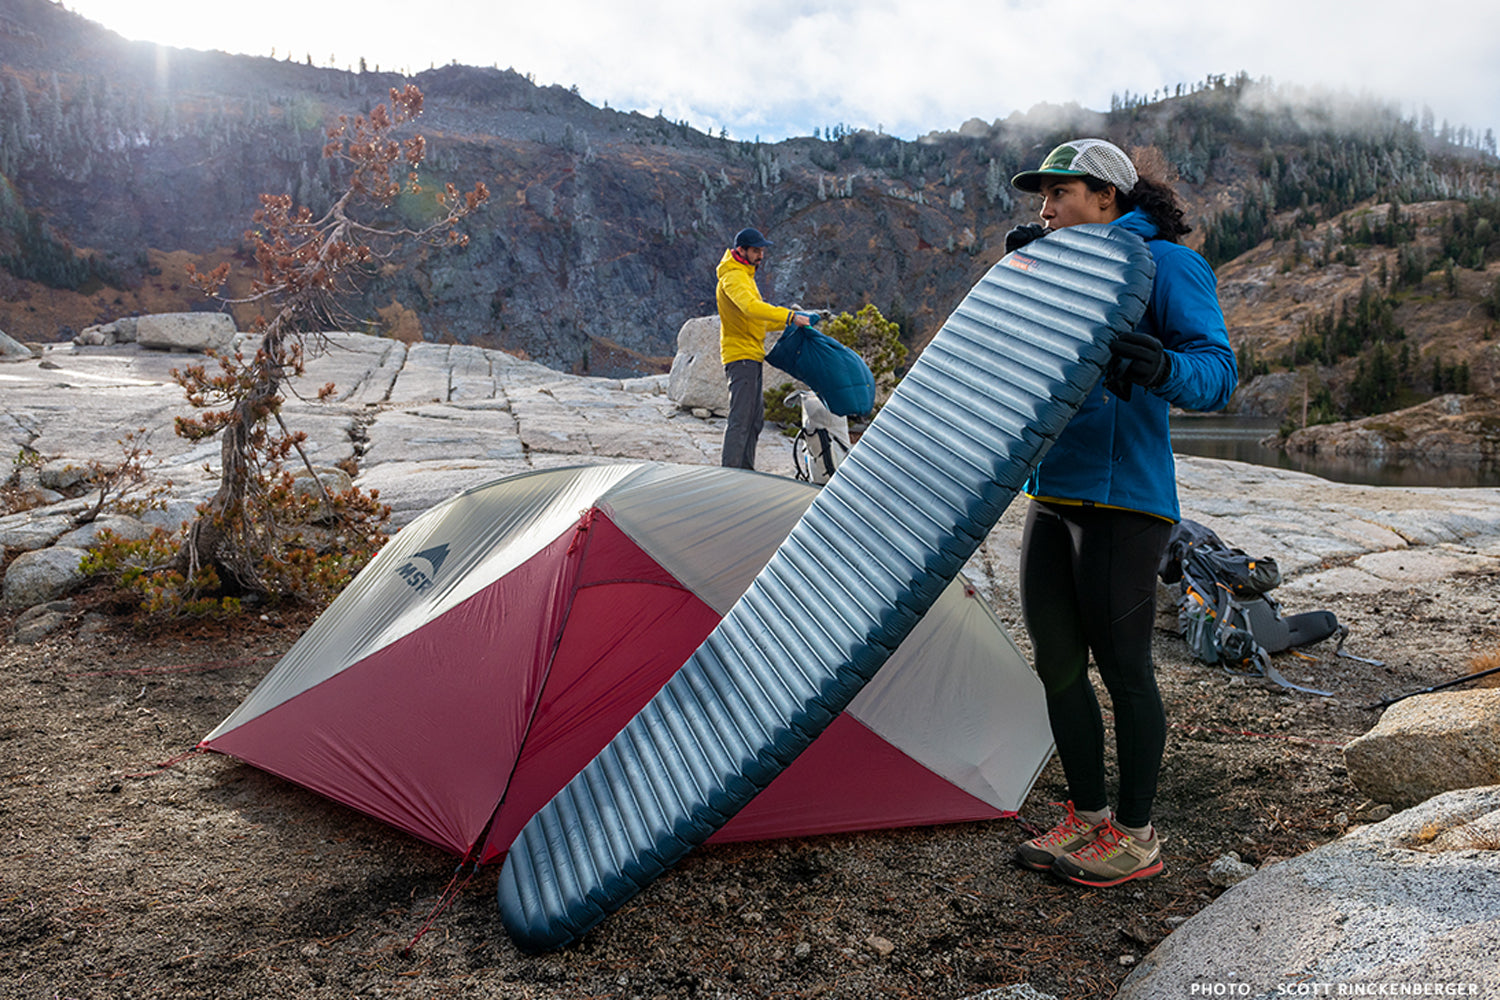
(1436, 687)
(1339, 650)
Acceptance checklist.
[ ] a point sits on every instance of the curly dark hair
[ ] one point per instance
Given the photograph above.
(1157, 200)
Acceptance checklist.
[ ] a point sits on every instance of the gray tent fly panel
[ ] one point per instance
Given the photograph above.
(912, 501)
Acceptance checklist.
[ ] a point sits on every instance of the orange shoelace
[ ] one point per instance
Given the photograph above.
(1106, 845)
(1065, 830)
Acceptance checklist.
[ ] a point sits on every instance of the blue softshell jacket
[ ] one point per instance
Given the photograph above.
(1117, 453)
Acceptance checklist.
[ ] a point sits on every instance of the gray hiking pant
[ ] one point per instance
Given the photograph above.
(747, 414)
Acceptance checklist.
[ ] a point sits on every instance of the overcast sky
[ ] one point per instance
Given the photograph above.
(773, 68)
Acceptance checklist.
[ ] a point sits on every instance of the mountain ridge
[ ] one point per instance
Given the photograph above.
(604, 227)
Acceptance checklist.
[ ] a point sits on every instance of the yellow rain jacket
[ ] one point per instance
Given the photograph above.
(744, 317)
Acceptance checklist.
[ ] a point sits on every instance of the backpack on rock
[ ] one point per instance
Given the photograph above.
(1225, 613)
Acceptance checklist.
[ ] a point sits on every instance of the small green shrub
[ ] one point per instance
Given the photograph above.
(314, 547)
(141, 567)
(788, 416)
(874, 338)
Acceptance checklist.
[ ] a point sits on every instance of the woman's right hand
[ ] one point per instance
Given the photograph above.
(1022, 235)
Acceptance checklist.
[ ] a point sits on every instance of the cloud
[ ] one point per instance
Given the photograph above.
(778, 67)
(912, 67)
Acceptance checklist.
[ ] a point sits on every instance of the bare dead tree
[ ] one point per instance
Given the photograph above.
(303, 264)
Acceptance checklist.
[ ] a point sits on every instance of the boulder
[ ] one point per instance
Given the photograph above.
(64, 474)
(120, 331)
(645, 385)
(1427, 744)
(41, 575)
(38, 527)
(40, 621)
(1388, 904)
(696, 381)
(13, 350)
(697, 376)
(312, 484)
(1228, 869)
(94, 336)
(121, 525)
(186, 331)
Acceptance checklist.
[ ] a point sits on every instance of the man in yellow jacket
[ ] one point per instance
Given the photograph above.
(744, 320)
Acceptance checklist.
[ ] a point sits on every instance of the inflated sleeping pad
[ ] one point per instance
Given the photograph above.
(912, 501)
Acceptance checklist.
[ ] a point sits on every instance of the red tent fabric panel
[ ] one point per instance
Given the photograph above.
(630, 627)
(422, 734)
(851, 779)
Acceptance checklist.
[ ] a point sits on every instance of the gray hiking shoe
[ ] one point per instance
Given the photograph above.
(1113, 857)
(1071, 834)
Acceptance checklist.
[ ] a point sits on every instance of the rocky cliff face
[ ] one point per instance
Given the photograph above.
(604, 227)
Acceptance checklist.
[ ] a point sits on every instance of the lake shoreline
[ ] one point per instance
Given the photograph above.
(1237, 438)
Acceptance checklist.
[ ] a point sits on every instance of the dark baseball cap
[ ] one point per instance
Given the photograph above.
(750, 238)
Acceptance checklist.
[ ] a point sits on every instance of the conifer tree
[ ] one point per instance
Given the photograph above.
(302, 262)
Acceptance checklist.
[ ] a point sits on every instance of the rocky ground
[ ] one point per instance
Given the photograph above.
(131, 870)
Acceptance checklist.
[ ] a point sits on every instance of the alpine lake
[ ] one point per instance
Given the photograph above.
(1239, 439)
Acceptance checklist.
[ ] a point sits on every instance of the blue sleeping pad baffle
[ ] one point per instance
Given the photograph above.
(912, 501)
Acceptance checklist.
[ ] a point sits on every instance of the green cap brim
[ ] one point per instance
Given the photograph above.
(1030, 181)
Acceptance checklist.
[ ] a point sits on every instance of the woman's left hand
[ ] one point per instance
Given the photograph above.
(1136, 359)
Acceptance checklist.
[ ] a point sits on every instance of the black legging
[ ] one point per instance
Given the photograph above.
(1088, 582)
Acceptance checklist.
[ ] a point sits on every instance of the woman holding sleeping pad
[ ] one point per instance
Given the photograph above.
(1103, 502)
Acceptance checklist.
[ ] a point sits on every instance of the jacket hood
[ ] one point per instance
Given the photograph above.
(1137, 222)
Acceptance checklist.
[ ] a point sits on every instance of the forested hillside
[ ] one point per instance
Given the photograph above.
(1354, 243)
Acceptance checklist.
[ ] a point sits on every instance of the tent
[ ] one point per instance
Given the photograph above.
(500, 640)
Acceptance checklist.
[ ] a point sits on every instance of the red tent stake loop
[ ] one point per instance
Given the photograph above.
(445, 900)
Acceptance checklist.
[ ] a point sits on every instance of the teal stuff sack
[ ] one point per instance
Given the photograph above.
(835, 372)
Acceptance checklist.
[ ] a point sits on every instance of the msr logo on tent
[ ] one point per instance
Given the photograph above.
(421, 570)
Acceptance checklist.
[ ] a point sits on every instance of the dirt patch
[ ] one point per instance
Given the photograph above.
(206, 878)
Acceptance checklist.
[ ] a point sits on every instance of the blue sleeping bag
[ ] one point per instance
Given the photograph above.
(835, 372)
(908, 506)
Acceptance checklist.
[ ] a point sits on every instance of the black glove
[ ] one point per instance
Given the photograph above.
(1022, 235)
(1136, 359)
